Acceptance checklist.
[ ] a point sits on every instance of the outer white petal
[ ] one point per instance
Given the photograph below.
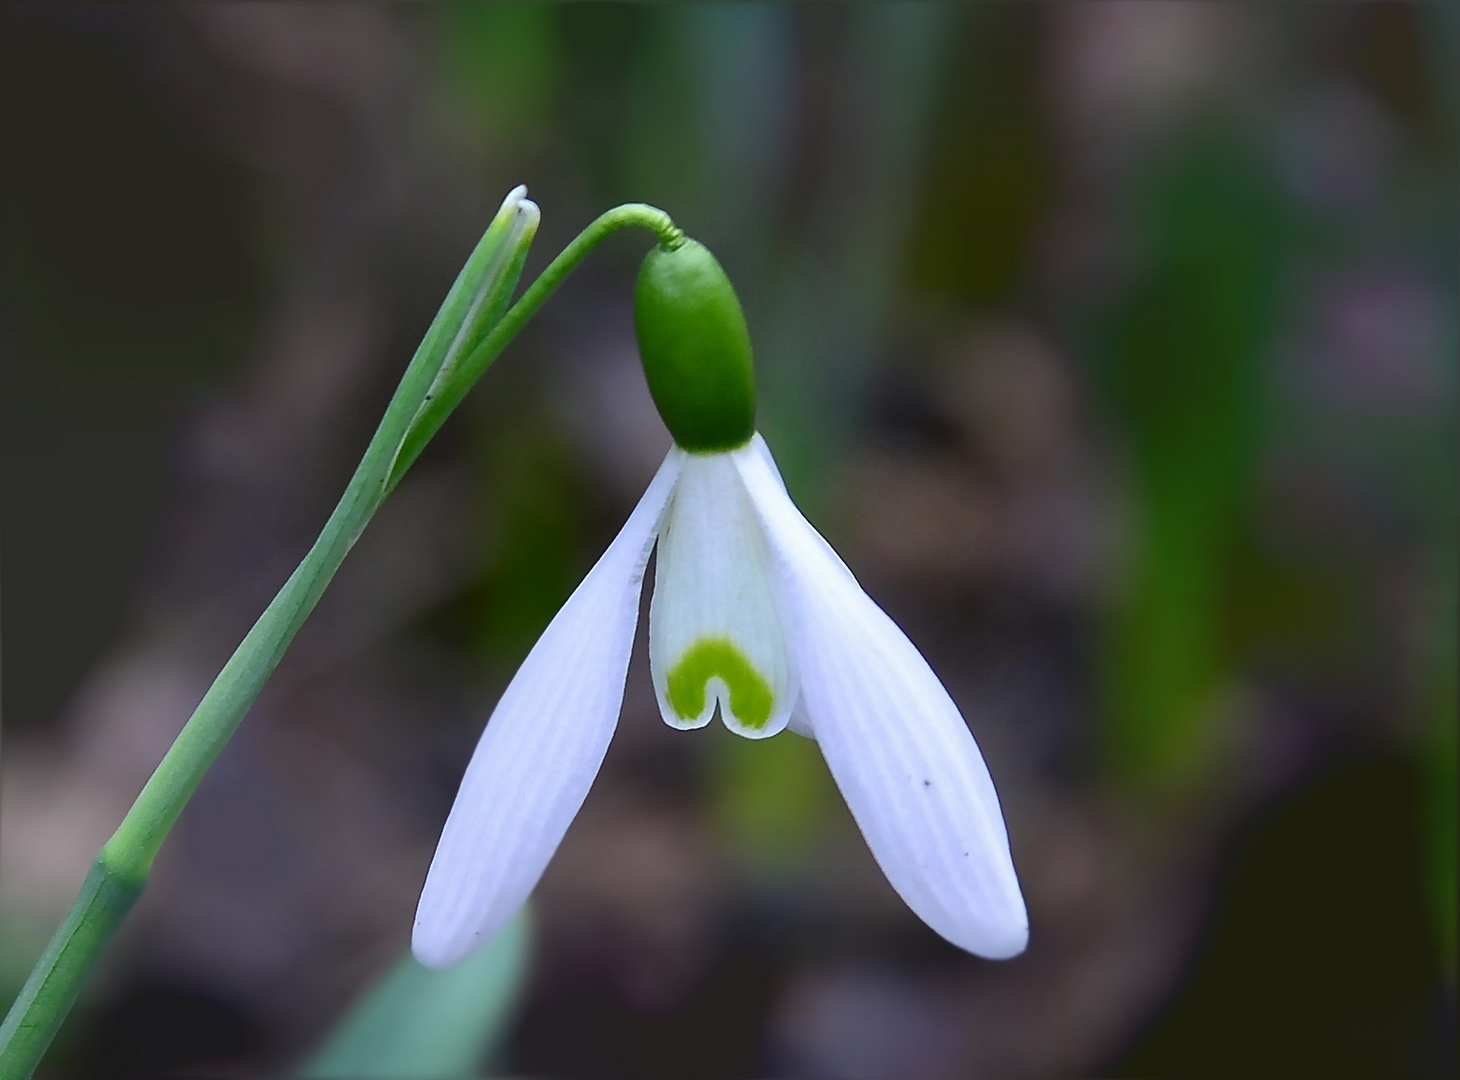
(540, 751)
(715, 634)
(800, 721)
(893, 739)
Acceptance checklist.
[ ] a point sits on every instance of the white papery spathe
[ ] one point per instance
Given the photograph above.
(738, 562)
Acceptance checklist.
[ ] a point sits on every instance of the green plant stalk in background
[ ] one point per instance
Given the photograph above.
(468, 333)
(1180, 359)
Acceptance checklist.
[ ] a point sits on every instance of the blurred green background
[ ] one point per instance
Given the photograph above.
(1113, 344)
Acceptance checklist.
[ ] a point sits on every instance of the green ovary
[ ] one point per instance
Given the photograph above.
(751, 699)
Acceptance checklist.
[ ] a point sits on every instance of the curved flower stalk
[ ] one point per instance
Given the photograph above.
(753, 615)
(472, 327)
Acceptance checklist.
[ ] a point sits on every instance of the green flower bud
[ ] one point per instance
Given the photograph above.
(695, 348)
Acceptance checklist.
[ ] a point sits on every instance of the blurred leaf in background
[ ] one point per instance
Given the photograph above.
(420, 1024)
(502, 62)
(828, 302)
(1179, 366)
(988, 171)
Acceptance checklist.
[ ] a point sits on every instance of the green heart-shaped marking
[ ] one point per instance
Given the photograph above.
(751, 698)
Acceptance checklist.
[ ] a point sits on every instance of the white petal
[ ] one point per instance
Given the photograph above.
(540, 751)
(800, 721)
(894, 741)
(762, 451)
(715, 634)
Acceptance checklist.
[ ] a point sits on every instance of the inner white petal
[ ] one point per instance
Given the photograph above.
(715, 635)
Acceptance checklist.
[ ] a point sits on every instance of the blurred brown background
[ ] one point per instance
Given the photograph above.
(1113, 344)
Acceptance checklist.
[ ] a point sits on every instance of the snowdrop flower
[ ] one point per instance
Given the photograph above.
(753, 615)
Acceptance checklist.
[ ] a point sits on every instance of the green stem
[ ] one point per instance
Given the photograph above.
(460, 378)
(468, 333)
(103, 902)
